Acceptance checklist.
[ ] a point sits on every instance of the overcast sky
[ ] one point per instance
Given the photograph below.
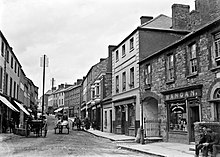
(73, 34)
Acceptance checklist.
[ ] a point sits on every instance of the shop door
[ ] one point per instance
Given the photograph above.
(123, 122)
(194, 117)
(110, 121)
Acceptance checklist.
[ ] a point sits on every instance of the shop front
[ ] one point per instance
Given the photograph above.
(183, 107)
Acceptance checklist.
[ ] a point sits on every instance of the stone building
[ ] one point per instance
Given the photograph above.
(180, 84)
(142, 42)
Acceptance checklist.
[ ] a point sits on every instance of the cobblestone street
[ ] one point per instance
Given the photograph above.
(77, 143)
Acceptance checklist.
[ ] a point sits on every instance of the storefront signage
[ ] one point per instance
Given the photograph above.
(184, 94)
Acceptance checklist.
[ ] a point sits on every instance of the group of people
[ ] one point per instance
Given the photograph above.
(209, 142)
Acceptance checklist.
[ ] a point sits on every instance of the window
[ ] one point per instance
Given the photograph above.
(193, 59)
(178, 118)
(14, 89)
(131, 115)
(92, 92)
(15, 67)
(131, 78)
(124, 81)
(217, 48)
(12, 62)
(117, 84)
(217, 94)
(18, 71)
(123, 50)
(170, 67)
(97, 90)
(10, 87)
(7, 56)
(1, 78)
(116, 55)
(131, 44)
(3, 48)
(147, 74)
(17, 90)
(6, 83)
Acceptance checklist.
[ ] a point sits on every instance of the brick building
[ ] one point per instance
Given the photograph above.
(180, 84)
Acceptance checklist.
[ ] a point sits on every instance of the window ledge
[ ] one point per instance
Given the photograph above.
(170, 82)
(131, 49)
(123, 55)
(192, 75)
(217, 68)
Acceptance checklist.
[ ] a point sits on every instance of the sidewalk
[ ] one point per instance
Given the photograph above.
(163, 149)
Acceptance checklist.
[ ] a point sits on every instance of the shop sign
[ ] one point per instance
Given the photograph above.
(184, 94)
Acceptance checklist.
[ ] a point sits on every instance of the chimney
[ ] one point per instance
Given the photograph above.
(110, 49)
(145, 19)
(180, 16)
(79, 81)
(208, 9)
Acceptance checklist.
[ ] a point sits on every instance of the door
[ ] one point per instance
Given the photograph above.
(123, 121)
(110, 121)
(194, 117)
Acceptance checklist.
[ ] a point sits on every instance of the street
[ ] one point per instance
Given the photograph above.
(76, 143)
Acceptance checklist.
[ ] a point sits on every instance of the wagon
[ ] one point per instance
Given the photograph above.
(60, 126)
(37, 128)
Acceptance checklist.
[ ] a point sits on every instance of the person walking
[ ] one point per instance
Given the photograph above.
(78, 123)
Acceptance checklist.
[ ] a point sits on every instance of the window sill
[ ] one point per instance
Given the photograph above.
(192, 75)
(131, 49)
(178, 132)
(217, 68)
(170, 82)
(123, 56)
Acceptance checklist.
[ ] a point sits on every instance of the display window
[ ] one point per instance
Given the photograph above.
(177, 117)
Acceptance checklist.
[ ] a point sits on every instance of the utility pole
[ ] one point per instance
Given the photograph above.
(43, 60)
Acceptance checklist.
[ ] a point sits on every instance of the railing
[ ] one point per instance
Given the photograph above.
(152, 128)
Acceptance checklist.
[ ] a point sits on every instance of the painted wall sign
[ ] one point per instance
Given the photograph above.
(183, 94)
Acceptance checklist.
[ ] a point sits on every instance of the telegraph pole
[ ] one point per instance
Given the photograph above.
(43, 60)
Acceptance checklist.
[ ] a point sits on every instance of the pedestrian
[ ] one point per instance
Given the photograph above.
(44, 125)
(78, 123)
(11, 125)
(87, 123)
(214, 143)
(204, 139)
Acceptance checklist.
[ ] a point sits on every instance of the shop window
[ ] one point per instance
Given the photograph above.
(131, 115)
(178, 117)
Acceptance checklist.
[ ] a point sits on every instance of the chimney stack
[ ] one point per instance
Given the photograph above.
(145, 19)
(180, 16)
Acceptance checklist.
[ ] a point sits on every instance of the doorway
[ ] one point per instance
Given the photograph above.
(193, 117)
(123, 119)
(110, 121)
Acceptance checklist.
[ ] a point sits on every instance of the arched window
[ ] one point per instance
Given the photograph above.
(217, 94)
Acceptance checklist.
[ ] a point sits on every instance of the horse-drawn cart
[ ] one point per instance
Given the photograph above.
(60, 126)
(37, 128)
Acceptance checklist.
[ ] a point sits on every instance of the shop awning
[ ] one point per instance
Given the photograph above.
(22, 108)
(7, 103)
(59, 109)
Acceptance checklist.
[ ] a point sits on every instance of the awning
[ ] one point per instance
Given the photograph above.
(7, 103)
(22, 108)
(59, 109)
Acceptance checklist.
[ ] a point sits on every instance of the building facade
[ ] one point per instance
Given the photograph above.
(182, 86)
(142, 42)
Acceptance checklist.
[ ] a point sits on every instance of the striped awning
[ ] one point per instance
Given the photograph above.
(7, 103)
(22, 108)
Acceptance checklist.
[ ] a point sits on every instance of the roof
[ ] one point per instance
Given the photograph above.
(186, 37)
(161, 21)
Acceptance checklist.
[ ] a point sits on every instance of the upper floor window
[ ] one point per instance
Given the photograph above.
(170, 67)
(131, 43)
(147, 74)
(124, 81)
(193, 59)
(18, 71)
(117, 84)
(15, 67)
(116, 56)
(217, 48)
(123, 50)
(131, 78)
(7, 56)
(1, 77)
(3, 48)
(97, 88)
(12, 62)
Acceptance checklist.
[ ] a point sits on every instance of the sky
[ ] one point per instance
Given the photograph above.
(73, 34)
